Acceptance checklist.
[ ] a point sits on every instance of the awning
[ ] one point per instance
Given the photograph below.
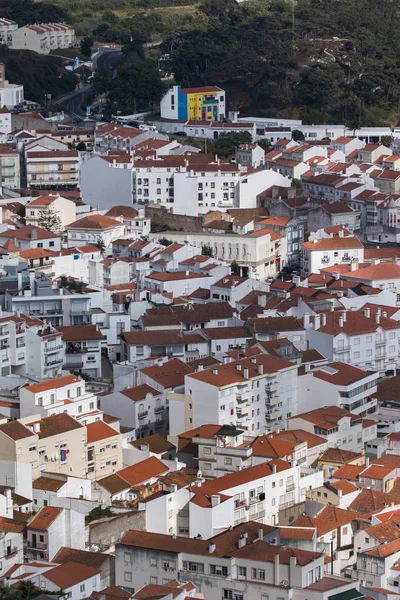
(352, 594)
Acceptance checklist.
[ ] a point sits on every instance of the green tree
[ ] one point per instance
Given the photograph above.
(297, 135)
(164, 241)
(136, 87)
(101, 80)
(296, 184)
(387, 140)
(206, 250)
(235, 268)
(86, 46)
(100, 245)
(48, 219)
(27, 589)
(265, 145)
(227, 143)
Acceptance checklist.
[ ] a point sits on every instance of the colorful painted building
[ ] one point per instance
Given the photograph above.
(200, 104)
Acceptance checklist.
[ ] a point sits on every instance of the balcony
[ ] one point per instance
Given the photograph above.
(380, 342)
(240, 399)
(11, 551)
(142, 415)
(346, 258)
(290, 487)
(158, 409)
(325, 260)
(160, 423)
(73, 365)
(342, 349)
(53, 349)
(275, 414)
(35, 545)
(51, 363)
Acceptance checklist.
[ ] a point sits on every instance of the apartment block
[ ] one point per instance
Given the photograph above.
(42, 38)
(54, 169)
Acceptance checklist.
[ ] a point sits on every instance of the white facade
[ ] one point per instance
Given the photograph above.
(322, 253)
(43, 37)
(65, 209)
(258, 401)
(356, 397)
(49, 168)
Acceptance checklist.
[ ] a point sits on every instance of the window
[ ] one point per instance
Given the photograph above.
(127, 576)
(207, 466)
(193, 566)
(227, 461)
(82, 587)
(207, 450)
(242, 572)
(127, 557)
(168, 565)
(219, 570)
(153, 561)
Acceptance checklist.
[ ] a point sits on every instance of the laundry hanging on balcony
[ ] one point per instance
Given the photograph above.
(63, 455)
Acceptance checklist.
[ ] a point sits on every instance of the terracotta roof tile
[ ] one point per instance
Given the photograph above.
(338, 455)
(44, 518)
(142, 471)
(82, 557)
(48, 484)
(156, 443)
(73, 333)
(69, 574)
(99, 431)
(139, 393)
(170, 374)
(335, 243)
(57, 383)
(99, 222)
(15, 430)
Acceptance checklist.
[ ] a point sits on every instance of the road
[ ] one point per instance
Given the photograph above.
(72, 103)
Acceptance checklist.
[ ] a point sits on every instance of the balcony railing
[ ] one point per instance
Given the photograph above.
(290, 487)
(35, 545)
(142, 415)
(342, 349)
(380, 342)
(11, 551)
(158, 409)
(160, 423)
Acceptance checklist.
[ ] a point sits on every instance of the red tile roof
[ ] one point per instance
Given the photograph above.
(44, 518)
(99, 431)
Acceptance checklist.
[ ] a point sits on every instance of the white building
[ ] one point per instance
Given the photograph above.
(142, 408)
(256, 393)
(92, 229)
(52, 168)
(11, 94)
(6, 28)
(250, 155)
(45, 352)
(367, 338)
(62, 207)
(253, 566)
(342, 429)
(64, 394)
(260, 254)
(9, 167)
(339, 384)
(83, 345)
(326, 252)
(42, 38)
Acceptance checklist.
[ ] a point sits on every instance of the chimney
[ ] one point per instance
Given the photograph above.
(246, 373)
(276, 569)
(274, 468)
(215, 500)
(254, 360)
(34, 233)
(354, 265)
(336, 275)
(242, 541)
(199, 368)
(367, 461)
(377, 318)
(339, 493)
(344, 316)
(384, 314)
(293, 561)
(261, 533)
(239, 367)
(323, 320)
(317, 322)
(306, 320)
(215, 371)
(36, 427)
(341, 233)
(187, 273)
(260, 369)
(211, 548)
(341, 321)
(367, 312)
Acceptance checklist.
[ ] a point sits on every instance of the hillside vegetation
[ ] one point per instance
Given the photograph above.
(328, 60)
